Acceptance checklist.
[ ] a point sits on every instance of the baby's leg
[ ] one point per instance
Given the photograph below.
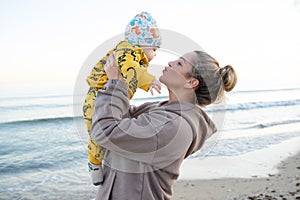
(95, 156)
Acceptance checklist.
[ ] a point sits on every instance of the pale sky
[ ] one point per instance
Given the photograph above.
(48, 41)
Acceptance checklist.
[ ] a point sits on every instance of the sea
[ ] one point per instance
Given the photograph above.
(43, 140)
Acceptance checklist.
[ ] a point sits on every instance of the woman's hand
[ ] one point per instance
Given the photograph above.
(111, 68)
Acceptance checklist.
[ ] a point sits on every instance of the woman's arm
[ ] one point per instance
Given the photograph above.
(153, 137)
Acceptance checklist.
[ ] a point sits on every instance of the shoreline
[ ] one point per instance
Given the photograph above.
(257, 164)
(283, 184)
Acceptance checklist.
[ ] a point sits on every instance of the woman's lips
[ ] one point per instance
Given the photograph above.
(165, 69)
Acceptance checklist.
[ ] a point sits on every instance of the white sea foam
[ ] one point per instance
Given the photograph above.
(258, 163)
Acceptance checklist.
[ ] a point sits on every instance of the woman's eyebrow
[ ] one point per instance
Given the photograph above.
(183, 59)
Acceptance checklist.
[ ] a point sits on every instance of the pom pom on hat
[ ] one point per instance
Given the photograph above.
(142, 31)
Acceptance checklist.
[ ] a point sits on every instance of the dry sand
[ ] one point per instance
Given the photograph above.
(283, 185)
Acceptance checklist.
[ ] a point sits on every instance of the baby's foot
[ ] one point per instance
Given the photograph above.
(96, 173)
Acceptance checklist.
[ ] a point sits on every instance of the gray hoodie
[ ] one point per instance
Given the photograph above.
(145, 145)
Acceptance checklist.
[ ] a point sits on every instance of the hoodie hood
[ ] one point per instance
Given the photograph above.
(203, 127)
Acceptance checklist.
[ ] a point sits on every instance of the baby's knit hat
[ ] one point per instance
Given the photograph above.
(142, 31)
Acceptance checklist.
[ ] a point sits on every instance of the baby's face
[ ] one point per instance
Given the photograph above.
(150, 52)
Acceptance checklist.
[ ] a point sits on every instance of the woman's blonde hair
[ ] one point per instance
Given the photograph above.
(213, 80)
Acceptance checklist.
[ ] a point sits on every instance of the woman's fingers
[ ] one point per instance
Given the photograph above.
(111, 68)
(110, 62)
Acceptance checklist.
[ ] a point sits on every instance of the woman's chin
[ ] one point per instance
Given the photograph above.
(161, 79)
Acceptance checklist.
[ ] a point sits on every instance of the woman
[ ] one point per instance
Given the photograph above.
(147, 144)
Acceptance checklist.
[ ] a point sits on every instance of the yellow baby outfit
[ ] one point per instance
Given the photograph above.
(133, 63)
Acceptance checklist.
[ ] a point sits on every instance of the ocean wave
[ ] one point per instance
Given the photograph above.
(277, 123)
(33, 106)
(41, 120)
(267, 124)
(242, 145)
(230, 108)
(254, 105)
(49, 160)
(265, 90)
(24, 167)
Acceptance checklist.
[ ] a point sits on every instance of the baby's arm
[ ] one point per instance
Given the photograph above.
(147, 82)
(134, 74)
(97, 78)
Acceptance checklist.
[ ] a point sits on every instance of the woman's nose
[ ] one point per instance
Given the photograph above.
(170, 63)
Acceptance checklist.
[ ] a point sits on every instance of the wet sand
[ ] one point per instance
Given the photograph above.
(282, 185)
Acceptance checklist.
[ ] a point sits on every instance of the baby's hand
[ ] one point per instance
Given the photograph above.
(155, 85)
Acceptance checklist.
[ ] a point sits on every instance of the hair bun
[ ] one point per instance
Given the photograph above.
(229, 77)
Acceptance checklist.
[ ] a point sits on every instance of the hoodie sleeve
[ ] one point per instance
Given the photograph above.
(154, 137)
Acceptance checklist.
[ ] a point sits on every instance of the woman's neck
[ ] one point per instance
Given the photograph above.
(182, 96)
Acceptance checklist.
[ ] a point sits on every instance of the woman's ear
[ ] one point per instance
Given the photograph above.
(191, 83)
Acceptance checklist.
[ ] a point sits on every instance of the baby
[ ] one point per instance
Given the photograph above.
(132, 56)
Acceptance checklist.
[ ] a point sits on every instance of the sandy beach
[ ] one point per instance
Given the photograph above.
(284, 184)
